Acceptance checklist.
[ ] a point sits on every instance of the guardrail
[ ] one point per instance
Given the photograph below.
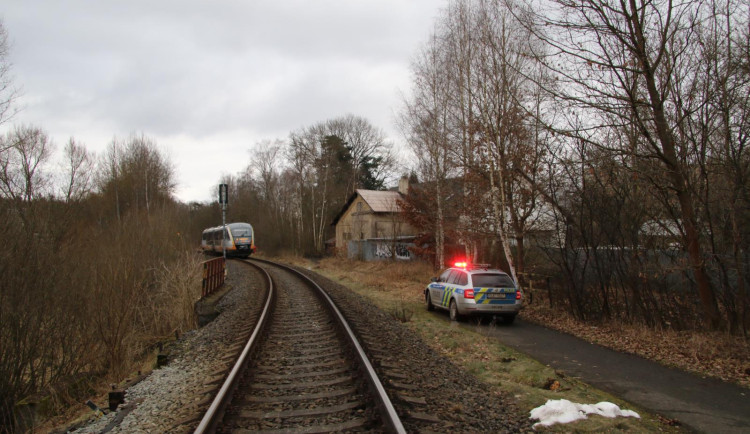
(214, 271)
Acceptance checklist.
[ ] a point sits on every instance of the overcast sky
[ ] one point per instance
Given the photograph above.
(209, 79)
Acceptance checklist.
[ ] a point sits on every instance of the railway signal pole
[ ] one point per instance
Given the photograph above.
(223, 200)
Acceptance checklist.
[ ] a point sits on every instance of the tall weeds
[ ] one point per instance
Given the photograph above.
(89, 303)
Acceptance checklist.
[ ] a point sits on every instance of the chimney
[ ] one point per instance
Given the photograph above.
(403, 185)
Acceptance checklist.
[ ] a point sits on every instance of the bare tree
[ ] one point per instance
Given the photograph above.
(267, 163)
(504, 140)
(330, 160)
(108, 174)
(56, 324)
(365, 142)
(718, 128)
(488, 137)
(78, 169)
(623, 63)
(302, 174)
(261, 198)
(26, 151)
(424, 121)
(23, 176)
(8, 93)
(315, 164)
(458, 28)
(135, 175)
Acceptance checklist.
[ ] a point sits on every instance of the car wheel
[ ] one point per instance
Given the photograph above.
(508, 319)
(428, 302)
(453, 309)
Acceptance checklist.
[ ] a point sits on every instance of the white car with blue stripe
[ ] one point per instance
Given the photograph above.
(474, 290)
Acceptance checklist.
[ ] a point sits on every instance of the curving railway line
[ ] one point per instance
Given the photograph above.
(302, 370)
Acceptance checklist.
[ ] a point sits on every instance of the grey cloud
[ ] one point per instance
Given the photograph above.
(194, 68)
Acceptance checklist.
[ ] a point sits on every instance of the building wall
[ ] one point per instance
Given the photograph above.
(378, 250)
(360, 223)
(355, 224)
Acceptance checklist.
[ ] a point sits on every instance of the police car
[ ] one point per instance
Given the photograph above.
(474, 290)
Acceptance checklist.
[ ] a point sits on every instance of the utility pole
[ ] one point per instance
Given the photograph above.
(223, 200)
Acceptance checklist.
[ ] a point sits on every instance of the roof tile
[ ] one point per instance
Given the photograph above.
(381, 201)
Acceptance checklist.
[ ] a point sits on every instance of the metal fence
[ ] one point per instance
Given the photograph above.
(214, 271)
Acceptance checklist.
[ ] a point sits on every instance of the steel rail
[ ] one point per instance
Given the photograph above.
(216, 410)
(383, 402)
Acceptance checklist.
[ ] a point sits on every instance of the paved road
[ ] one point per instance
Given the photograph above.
(704, 404)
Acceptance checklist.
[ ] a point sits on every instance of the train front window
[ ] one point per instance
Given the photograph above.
(241, 232)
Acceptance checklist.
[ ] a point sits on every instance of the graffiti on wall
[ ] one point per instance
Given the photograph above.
(383, 250)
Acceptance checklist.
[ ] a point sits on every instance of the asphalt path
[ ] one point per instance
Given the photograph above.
(703, 404)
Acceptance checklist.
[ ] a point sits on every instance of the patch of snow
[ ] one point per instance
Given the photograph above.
(564, 411)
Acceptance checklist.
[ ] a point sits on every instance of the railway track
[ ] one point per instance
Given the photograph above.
(302, 370)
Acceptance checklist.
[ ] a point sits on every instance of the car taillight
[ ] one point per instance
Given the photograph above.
(469, 293)
(518, 295)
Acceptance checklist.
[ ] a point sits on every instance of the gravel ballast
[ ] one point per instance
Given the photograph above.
(429, 392)
(172, 398)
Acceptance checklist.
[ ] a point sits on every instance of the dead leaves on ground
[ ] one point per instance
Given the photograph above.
(712, 354)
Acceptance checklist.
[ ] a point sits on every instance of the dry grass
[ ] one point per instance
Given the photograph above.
(400, 276)
(399, 285)
(91, 313)
(713, 354)
(76, 412)
(170, 309)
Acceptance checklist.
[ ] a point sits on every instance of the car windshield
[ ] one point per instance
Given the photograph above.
(492, 280)
(241, 232)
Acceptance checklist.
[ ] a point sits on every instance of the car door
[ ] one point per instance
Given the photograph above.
(450, 287)
(462, 283)
(437, 289)
(459, 281)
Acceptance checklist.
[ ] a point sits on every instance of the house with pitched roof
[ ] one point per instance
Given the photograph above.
(371, 226)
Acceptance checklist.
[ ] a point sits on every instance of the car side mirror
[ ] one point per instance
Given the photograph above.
(434, 279)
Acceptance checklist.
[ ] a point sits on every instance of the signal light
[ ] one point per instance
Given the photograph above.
(460, 264)
(469, 293)
(518, 295)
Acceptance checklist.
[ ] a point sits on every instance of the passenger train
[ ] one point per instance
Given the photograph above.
(239, 240)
